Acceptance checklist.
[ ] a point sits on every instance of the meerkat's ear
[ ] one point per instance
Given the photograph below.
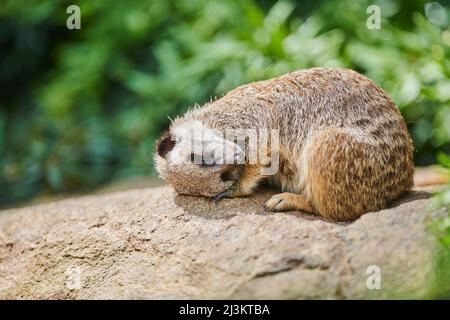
(165, 144)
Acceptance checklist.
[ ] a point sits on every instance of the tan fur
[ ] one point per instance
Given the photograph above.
(344, 145)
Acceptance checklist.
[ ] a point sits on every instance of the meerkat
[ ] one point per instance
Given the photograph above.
(344, 147)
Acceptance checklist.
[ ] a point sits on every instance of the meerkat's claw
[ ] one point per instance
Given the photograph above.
(288, 201)
(221, 195)
(231, 192)
(276, 203)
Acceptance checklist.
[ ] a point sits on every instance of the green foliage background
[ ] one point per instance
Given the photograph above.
(441, 229)
(79, 108)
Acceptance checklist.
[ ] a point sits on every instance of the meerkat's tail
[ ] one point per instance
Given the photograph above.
(349, 173)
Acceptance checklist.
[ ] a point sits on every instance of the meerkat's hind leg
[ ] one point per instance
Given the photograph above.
(289, 201)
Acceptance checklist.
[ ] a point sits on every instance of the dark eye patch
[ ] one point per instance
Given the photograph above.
(165, 144)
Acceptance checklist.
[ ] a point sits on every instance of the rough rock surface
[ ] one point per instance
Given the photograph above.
(151, 243)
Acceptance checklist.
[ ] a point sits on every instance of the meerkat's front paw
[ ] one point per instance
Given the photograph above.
(232, 192)
(288, 201)
(235, 191)
(244, 186)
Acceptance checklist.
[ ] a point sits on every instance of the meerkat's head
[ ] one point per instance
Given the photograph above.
(197, 160)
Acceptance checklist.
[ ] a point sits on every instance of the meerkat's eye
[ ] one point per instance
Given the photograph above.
(209, 161)
(208, 164)
(198, 159)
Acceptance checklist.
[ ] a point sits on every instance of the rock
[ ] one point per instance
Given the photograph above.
(431, 175)
(151, 243)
